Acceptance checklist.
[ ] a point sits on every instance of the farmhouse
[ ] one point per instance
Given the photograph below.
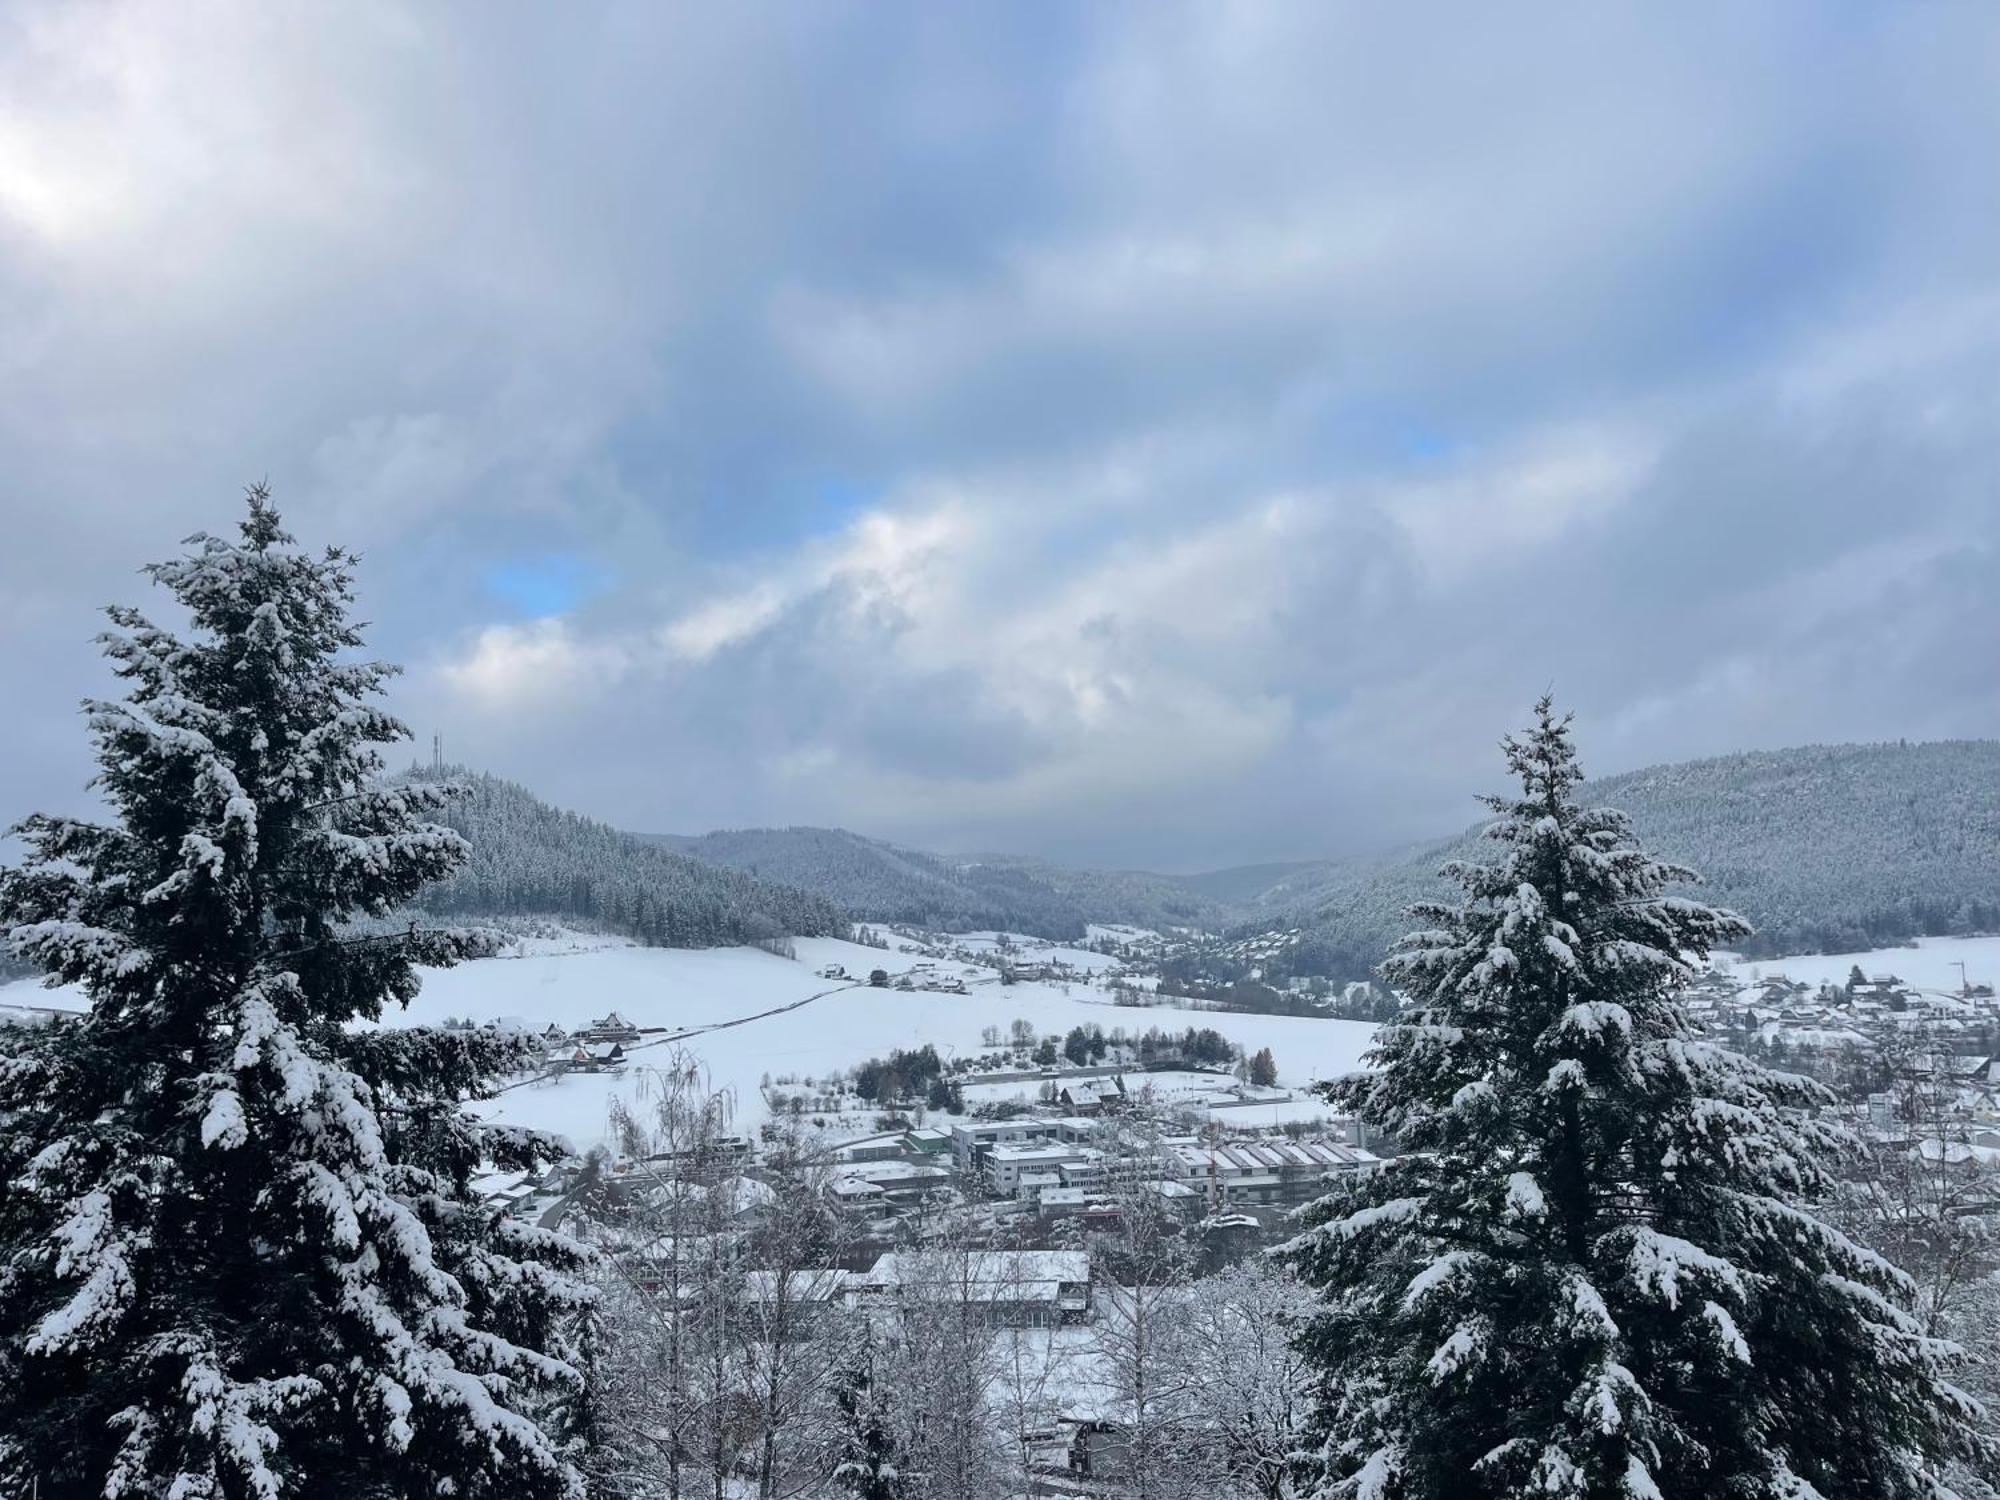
(611, 1027)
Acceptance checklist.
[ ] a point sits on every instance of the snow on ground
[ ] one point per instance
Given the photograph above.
(685, 988)
(575, 980)
(1169, 1086)
(1931, 965)
(1034, 950)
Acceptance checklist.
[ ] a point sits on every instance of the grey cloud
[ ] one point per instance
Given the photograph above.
(687, 293)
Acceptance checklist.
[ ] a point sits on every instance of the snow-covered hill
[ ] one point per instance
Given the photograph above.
(1821, 847)
(881, 882)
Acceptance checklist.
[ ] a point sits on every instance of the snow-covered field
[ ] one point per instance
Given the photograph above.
(575, 981)
(1033, 950)
(690, 989)
(1931, 965)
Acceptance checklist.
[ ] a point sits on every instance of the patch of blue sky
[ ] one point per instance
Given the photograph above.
(546, 583)
(782, 514)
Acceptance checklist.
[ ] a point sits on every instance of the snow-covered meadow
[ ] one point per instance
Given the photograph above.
(1927, 964)
(573, 981)
(691, 989)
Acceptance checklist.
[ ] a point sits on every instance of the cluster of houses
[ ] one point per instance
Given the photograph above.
(596, 1048)
(921, 976)
(1827, 1020)
(1048, 1167)
(1069, 1163)
(1873, 1028)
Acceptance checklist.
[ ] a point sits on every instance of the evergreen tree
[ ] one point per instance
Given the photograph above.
(867, 1467)
(1263, 1068)
(1594, 1274)
(238, 1252)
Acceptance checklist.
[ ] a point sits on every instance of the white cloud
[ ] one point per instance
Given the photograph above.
(528, 668)
(1495, 512)
(885, 560)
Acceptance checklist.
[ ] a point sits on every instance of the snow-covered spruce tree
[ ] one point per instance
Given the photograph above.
(238, 1256)
(867, 1467)
(1595, 1273)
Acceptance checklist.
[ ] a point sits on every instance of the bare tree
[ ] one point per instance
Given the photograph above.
(666, 1375)
(1141, 1346)
(1035, 1366)
(1248, 1385)
(1927, 1196)
(798, 1333)
(940, 1341)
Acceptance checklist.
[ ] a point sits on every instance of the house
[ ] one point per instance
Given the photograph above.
(972, 1141)
(1013, 1288)
(855, 1195)
(1981, 1103)
(1100, 1450)
(739, 1201)
(1006, 1165)
(1092, 1096)
(505, 1191)
(600, 1057)
(1031, 1185)
(885, 1147)
(611, 1027)
(1266, 1171)
(892, 1181)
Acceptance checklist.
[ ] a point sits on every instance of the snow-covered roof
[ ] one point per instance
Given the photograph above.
(892, 1171)
(997, 1275)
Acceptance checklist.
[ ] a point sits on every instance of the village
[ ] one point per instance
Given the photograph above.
(1035, 1128)
(1014, 1176)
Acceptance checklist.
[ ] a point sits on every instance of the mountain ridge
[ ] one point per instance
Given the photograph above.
(878, 881)
(1824, 846)
(530, 858)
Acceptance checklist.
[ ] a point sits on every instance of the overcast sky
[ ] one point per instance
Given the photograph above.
(1155, 434)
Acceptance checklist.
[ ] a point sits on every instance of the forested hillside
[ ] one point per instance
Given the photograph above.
(1137, 897)
(1825, 849)
(529, 857)
(879, 882)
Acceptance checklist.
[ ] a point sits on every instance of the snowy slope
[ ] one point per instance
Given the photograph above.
(691, 989)
(688, 989)
(1930, 964)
